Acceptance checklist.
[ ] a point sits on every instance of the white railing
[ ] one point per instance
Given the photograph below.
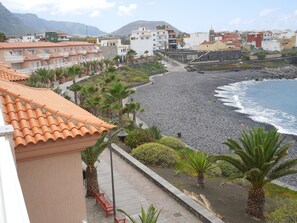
(65, 54)
(83, 51)
(25, 71)
(44, 56)
(14, 58)
(12, 204)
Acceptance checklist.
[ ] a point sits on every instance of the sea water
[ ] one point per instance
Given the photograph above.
(269, 101)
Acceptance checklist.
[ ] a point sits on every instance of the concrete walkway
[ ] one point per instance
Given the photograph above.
(132, 190)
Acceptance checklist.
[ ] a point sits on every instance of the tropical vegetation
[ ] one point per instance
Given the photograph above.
(149, 216)
(260, 158)
(195, 163)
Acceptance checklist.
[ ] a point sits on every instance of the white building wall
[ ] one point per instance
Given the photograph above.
(195, 39)
(272, 45)
(141, 40)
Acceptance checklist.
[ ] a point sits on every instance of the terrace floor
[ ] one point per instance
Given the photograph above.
(132, 190)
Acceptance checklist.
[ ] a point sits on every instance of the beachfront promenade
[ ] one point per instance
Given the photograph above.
(132, 190)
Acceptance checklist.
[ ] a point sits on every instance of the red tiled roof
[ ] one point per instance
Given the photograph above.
(6, 73)
(56, 55)
(22, 45)
(35, 119)
(32, 57)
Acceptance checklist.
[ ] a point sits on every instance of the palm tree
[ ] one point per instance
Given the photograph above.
(72, 72)
(59, 72)
(46, 76)
(195, 163)
(89, 157)
(91, 103)
(116, 93)
(133, 108)
(151, 216)
(131, 54)
(116, 60)
(260, 160)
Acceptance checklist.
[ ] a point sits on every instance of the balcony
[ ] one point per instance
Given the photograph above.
(14, 59)
(27, 71)
(82, 52)
(44, 56)
(64, 54)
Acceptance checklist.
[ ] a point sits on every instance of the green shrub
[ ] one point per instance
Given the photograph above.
(284, 214)
(138, 137)
(172, 142)
(261, 55)
(156, 132)
(227, 169)
(137, 79)
(155, 154)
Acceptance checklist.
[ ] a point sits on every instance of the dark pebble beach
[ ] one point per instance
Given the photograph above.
(185, 103)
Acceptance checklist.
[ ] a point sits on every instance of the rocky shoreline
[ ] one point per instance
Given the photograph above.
(288, 72)
(185, 102)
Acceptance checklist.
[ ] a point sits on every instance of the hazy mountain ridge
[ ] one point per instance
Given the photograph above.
(70, 28)
(10, 24)
(126, 30)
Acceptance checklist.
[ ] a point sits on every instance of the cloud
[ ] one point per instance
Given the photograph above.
(126, 10)
(95, 13)
(265, 12)
(91, 7)
(235, 21)
(151, 3)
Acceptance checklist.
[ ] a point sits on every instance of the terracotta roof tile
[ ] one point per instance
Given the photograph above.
(6, 73)
(56, 55)
(35, 120)
(22, 45)
(32, 57)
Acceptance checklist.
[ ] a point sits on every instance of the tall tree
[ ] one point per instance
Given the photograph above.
(133, 108)
(115, 94)
(89, 157)
(2, 37)
(73, 71)
(260, 159)
(131, 54)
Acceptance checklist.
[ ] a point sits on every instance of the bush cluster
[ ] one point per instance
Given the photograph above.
(172, 142)
(138, 137)
(285, 213)
(155, 154)
(227, 169)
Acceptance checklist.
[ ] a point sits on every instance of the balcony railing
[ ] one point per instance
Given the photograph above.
(44, 56)
(83, 51)
(14, 58)
(65, 54)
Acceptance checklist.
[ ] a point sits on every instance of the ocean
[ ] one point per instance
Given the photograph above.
(269, 101)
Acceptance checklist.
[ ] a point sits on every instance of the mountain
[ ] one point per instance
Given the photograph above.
(11, 25)
(71, 28)
(126, 30)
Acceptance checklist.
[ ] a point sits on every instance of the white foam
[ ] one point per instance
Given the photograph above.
(234, 95)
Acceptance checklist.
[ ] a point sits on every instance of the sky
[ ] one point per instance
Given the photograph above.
(188, 16)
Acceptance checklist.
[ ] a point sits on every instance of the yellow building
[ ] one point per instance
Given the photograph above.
(211, 46)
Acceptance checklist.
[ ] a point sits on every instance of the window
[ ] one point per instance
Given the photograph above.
(147, 38)
(141, 38)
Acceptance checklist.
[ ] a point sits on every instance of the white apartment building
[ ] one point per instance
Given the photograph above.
(195, 39)
(271, 45)
(121, 49)
(144, 40)
(27, 57)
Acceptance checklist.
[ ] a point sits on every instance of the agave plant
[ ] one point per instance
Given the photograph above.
(151, 216)
(260, 159)
(195, 162)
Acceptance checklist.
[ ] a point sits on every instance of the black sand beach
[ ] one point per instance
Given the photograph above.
(184, 102)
